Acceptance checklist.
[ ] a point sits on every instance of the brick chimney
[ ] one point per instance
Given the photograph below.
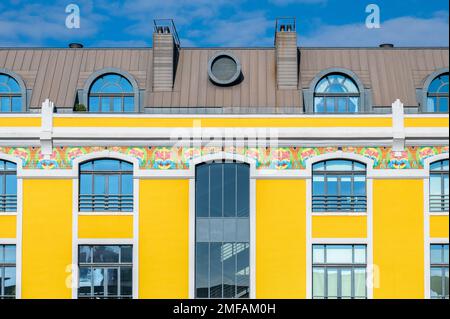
(286, 53)
(165, 55)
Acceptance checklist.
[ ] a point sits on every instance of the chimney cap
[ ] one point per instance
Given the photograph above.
(386, 45)
(285, 24)
(75, 45)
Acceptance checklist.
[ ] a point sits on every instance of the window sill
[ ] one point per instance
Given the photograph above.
(105, 213)
(8, 213)
(437, 213)
(339, 214)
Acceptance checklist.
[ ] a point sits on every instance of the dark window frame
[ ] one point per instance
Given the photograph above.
(105, 266)
(442, 266)
(339, 267)
(8, 202)
(106, 202)
(339, 203)
(3, 266)
(439, 203)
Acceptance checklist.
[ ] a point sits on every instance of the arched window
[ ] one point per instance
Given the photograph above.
(8, 187)
(222, 250)
(10, 94)
(336, 93)
(111, 93)
(339, 186)
(106, 185)
(437, 95)
(439, 195)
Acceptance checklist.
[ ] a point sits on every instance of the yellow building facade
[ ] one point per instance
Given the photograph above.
(159, 173)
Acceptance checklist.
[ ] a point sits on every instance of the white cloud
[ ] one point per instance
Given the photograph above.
(33, 24)
(401, 31)
(287, 2)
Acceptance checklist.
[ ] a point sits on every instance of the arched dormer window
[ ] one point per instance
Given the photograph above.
(11, 95)
(437, 95)
(336, 93)
(111, 93)
(8, 186)
(339, 186)
(106, 185)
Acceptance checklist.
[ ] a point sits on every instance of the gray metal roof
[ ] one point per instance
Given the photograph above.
(57, 74)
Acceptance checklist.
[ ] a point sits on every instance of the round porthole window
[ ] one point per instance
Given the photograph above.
(224, 69)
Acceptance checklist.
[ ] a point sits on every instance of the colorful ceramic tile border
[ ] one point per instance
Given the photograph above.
(284, 158)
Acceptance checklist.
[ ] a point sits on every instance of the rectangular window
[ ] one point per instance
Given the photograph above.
(105, 271)
(7, 271)
(339, 271)
(439, 271)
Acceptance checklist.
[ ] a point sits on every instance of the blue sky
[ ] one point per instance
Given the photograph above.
(207, 23)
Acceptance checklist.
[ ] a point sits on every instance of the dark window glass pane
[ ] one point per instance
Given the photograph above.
(318, 185)
(117, 104)
(94, 104)
(443, 104)
(319, 105)
(330, 104)
(107, 165)
(85, 281)
(126, 279)
(243, 190)
(229, 270)
(342, 105)
(126, 254)
(346, 185)
(436, 254)
(85, 254)
(216, 190)
(16, 104)
(2, 187)
(229, 190)
(332, 185)
(5, 104)
(112, 281)
(437, 290)
(202, 191)
(86, 184)
(100, 184)
(215, 270)
(202, 270)
(11, 185)
(128, 104)
(339, 165)
(113, 185)
(106, 254)
(10, 281)
(318, 282)
(243, 270)
(105, 104)
(127, 184)
(2, 254)
(99, 281)
(10, 254)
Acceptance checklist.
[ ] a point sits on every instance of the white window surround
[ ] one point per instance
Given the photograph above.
(310, 240)
(18, 240)
(219, 157)
(427, 215)
(75, 213)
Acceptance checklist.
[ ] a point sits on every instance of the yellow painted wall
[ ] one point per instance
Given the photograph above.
(105, 226)
(164, 239)
(339, 227)
(280, 239)
(7, 226)
(223, 122)
(426, 122)
(47, 238)
(439, 226)
(20, 121)
(398, 238)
